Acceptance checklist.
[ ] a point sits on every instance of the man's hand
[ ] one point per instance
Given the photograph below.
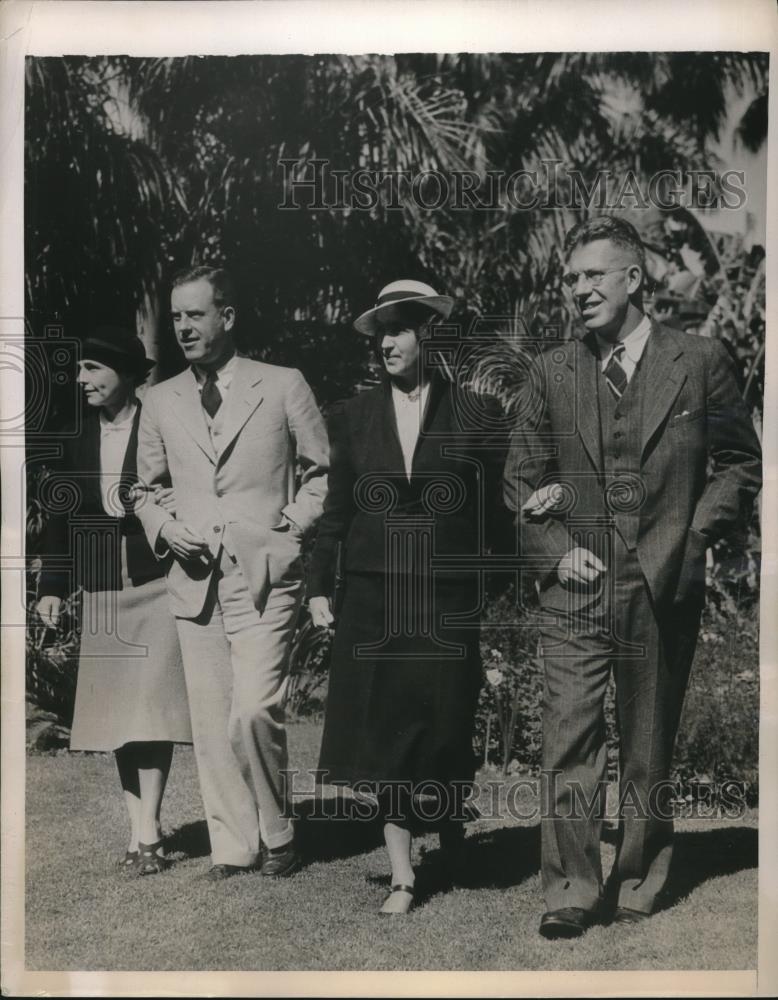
(579, 566)
(49, 610)
(321, 612)
(543, 501)
(292, 527)
(182, 541)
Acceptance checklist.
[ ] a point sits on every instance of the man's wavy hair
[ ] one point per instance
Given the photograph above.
(218, 278)
(607, 227)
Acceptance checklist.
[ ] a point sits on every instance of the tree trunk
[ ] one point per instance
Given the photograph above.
(149, 331)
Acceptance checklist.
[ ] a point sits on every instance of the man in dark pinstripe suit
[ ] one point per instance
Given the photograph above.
(641, 457)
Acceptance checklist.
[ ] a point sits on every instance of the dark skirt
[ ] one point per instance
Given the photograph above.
(403, 683)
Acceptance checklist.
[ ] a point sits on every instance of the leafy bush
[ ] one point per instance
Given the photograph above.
(509, 707)
(308, 669)
(508, 730)
(51, 655)
(718, 740)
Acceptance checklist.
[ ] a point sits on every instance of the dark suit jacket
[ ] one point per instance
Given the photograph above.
(95, 565)
(455, 475)
(700, 465)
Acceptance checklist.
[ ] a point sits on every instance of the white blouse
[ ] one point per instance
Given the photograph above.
(409, 412)
(114, 439)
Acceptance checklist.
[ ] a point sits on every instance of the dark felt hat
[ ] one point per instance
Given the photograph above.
(119, 348)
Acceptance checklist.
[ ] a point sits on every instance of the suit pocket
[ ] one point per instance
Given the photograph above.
(571, 597)
(283, 556)
(682, 419)
(268, 431)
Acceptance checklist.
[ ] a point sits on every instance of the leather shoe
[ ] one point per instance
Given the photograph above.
(569, 922)
(217, 873)
(281, 863)
(624, 915)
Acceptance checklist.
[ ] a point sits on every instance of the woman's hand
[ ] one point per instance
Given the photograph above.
(183, 541)
(165, 497)
(321, 612)
(543, 501)
(48, 609)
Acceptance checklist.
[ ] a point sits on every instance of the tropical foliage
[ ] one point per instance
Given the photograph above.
(136, 167)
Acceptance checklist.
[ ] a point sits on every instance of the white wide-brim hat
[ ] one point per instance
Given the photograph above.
(400, 293)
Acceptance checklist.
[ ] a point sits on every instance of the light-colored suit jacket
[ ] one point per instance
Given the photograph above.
(235, 491)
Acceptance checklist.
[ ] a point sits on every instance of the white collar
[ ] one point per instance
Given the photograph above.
(634, 343)
(109, 426)
(410, 397)
(224, 375)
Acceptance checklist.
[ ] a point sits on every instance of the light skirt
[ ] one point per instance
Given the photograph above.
(130, 684)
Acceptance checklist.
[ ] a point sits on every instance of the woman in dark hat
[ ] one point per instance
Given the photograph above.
(130, 694)
(410, 482)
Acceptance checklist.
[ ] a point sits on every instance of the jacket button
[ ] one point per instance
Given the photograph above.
(216, 529)
(618, 434)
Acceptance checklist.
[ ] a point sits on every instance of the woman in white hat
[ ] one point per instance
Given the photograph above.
(407, 484)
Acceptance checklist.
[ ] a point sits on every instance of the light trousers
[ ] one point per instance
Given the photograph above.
(236, 666)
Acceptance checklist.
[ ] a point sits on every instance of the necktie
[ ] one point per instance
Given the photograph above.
(210, 396)
(615, 374)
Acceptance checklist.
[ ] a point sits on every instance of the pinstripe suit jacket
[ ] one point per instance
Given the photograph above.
(700, 460)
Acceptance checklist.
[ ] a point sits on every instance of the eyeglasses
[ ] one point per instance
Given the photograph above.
(593, 278)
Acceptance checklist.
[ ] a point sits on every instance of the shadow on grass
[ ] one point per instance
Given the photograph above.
(326, 829)
(191, 840)
(499, 859)
(323, 831)
(492, 859)
(495, 859)
(699, 856)
(337, 827)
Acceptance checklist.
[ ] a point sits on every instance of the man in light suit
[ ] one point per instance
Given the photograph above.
(641, 455)
(228, 433)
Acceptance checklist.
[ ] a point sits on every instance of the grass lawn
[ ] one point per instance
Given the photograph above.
(81, 914)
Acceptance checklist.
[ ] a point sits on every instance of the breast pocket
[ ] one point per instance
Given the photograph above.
(266, 435)
(682, 419)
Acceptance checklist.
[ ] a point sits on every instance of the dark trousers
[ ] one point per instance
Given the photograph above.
(651, 655)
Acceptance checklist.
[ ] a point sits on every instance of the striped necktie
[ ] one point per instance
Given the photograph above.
(614, 372)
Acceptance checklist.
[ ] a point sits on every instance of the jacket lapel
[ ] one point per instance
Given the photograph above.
(663, 379)
(185, 402)
(392, 448)
(89, 460)
(129, 474)
(582, 394)
(436, 412)
(243, 397)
